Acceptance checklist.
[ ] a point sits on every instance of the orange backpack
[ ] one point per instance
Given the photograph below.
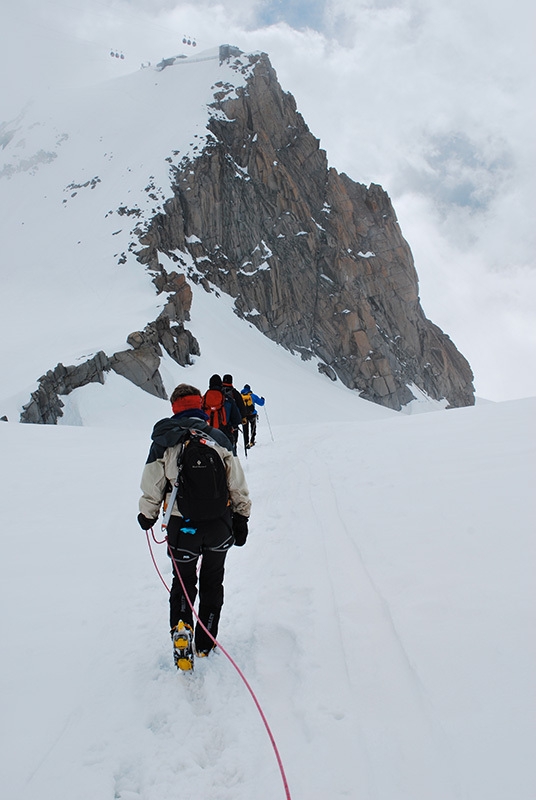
(212, 405)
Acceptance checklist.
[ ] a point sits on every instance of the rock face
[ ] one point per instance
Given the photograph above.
(45, 405)
(139, 365)
(316, 261)
(313, 259)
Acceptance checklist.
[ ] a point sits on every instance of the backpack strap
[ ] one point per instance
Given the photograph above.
(167, 516)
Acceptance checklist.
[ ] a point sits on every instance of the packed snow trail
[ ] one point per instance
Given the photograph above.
(380, 609)
(217, 644)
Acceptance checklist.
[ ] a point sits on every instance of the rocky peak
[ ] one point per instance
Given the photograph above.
(315, 260)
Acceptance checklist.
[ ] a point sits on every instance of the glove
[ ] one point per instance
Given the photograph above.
(240, 529)
(145, 523)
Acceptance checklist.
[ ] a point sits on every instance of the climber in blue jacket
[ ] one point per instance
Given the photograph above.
(250, 425)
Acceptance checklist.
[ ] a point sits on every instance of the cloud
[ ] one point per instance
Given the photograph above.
(457, 171)
(431, 99)
(298, 14)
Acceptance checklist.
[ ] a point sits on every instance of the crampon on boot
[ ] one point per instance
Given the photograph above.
(183, 655)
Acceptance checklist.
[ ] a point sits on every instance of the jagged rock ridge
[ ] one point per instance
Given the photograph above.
(313, 259)
(140, 364)
(316, 261)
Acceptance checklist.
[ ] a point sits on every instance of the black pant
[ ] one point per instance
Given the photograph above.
(250, 429)
(234, 441)
(211, 540)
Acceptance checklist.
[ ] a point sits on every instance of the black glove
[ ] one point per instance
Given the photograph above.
(145, 523)
(240, 529)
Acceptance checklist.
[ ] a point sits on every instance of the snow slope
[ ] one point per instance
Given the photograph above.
(68, 165)
(382, 610)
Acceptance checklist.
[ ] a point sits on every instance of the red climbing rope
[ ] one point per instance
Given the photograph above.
(225, 653)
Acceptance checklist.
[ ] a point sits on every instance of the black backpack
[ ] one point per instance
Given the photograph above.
(202, 492)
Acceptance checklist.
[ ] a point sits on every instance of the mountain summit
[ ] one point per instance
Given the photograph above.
(202, 170)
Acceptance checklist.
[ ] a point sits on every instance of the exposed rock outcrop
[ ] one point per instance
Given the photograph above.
(45, 405)
(315, 260)
(140, 365)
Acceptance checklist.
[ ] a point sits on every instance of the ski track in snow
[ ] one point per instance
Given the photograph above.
(404, 686)
(331, 625)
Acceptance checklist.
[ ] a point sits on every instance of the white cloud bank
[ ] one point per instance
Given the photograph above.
(433, 100)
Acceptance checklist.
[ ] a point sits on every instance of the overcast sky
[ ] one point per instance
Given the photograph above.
(433, 99)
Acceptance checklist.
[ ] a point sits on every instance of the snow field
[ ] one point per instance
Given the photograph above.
(380, 610)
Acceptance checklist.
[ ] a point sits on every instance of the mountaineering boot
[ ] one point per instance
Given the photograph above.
(182, 635)
(203, 653)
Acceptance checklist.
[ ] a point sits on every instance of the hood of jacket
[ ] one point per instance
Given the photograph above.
(170, 431)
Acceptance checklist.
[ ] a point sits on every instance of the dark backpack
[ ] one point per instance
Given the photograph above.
(202, 491)
(213, 405)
